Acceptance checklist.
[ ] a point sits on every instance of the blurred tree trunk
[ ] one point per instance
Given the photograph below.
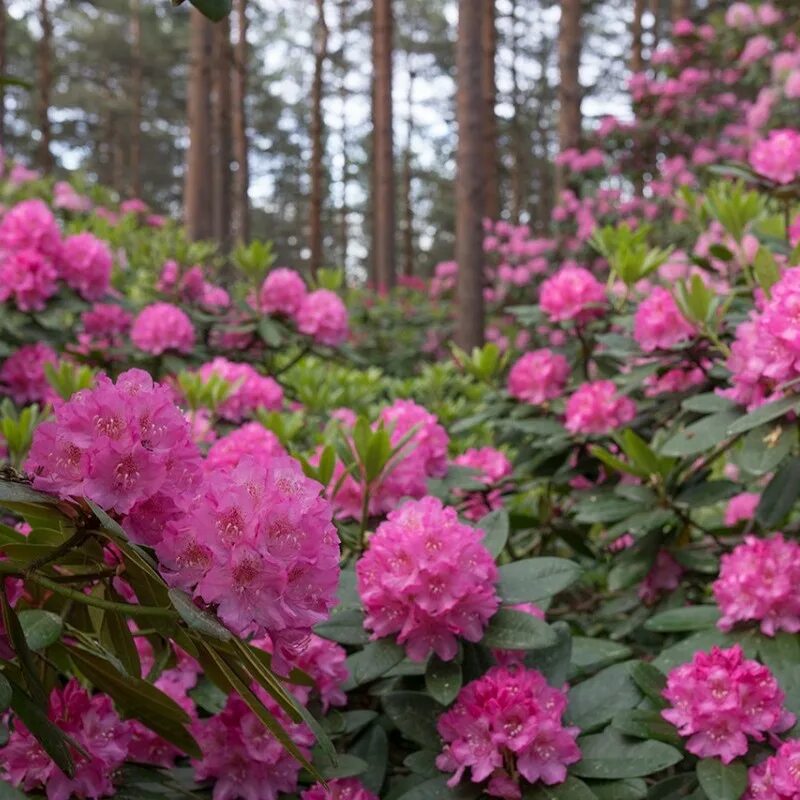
(517, 132)
(655, 10)
(221, 131)
(488, 53)
(344, 232)
(241, 178)
(3, 67)
(198, 187)
(408, 208)
(317, 189)
(637, 60)
(470, 112)
(45, 81)
(679, 9)
(383, 191)
(569, 89)
(136, 99)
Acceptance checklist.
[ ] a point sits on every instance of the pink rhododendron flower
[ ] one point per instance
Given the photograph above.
(777, 777)
(339, 789)
(282, 292)
(323, 316)
(92, 722)
(538, 376)
(778, 156)
(29, 277)
(573, 293)
(664, 576)
(755, 49)
(427, 578)
(134, 206)
(86, 265)
(760, 581)
(719, 699)
(22, 375)
(105, 325)
(596, 407)
(740, 508)
(506, 726)
(65, 196)
(658, 324)
(250, 390)
(251, 440)
(30, 225)
(494, 467)
(160, 327)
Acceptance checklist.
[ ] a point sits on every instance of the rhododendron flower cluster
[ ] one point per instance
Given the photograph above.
(86, 264)
(760, 581)
(124, 445)
(658, 323)
(94, 725)
(427, 579)
(282, 292)
(251, 440)
(572, 294)
(259, 546)
(538, 376)
(664, 576)
(596, 407)
(494, 467)
(22, 375)
(245, 761)
(777, 777)
(323, 316)
(778, 156)
(161, 327)
(741, 508)
(339, 789)
(249, 389)
(105, 326)
(719, 699)
(507, 725)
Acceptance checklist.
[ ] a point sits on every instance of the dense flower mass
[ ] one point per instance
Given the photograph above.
(339, 789)
(104, 326)
(538, 376)
(29, 277)
(597, 408)
(760, 581)
(161, 327)
(506, 726)
(260, 547)
(251, 440)
(658, 323)
(493, 468)
(249, 389)
(282, 292)
(426, 578)
(94, 725)
(719, 699)
(22, 375)
(323, 316)
(778, 156)
(124, 445)
(572, 294)
(86, 265)
(777, 777)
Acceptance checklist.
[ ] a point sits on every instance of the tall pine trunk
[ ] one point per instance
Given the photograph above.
(344, 211)
(3, 67)
(470, 112)
(136, 99)
(383, 192)
(655, 10)
(490, 159)
(408, 207)
(569, 89)
(221, 130)
(519, 154)
(317, 188)
(44, 156)
(241, 177)
(679, 9)
(198, 187)
(637, 60)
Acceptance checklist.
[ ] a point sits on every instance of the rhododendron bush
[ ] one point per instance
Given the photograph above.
(265, 536)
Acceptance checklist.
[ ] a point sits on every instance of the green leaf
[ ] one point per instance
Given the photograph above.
(373, 747)
(781, 653)
(378, 451)
(682, 651)
(5, 693)
(763, 414)
(197, 619)
(536, 579)
(41, 628)
(595, 701)
(515, 630)
(19, 645)
(646, 724)
(700, 436)
(588, 654)
(640, 453)
(347, 766)
(651, 681)
(495, 526)
(423, 762)
(707, 493)
(553, 662)
(8, 792)
(780, 494)
(437, 789)
(690, 618)
(628, 789)
(707, 403)
(722, 781)
(116, 635)
(762, 452)
(344, 627)
(610, 755)
(571, 789)
(13, 492)
(215, 10)
(415, 715)
(443, 680)
(374, 661)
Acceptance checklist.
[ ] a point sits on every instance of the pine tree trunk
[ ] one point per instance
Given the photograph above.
(383, 197)
(136, 99)
(517, 134)
(198, 187)
(241, 178)
(3, 67)
(569, 90)
(317, 189)
(408, 208)
(344, 211)
(488, 52)
(679, 10)
(655, 10)
(470, 110)
(221, 147)
(45, 81)
(637, 61)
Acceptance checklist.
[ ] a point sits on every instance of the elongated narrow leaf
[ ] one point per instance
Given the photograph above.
(536, 579)
(495, 526)
(22, 651)
(515, 630)
(196, 618)
(611, 755)
(691, 618)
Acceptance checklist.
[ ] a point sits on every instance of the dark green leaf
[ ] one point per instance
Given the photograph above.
(628, 789)
(690, 618)
(41, 628)
(415, 716)
(516, 630)
(8, 792)
(781, 654)
(595, 701)
(762, 415)
(437, 789)
(588, 654)
(345, 627)
(12, 492)
(650, 681)
(571, 789)
(495, 527)
(722, 781)
(116, 635)
(5, 693)
(19, 645)
(611, 755)
(700, 436)
(536, 579)
(645, 724)
(443, 680)
(707, 493)
(373, 747)
(374, 661)
(553, 662)
(780, 494)
(197, 619)
(761, 452)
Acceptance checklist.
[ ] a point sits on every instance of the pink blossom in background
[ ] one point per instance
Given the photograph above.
(679, 379)
(683, 27)
(755, 49)
(323, 316)
(170, 273)
(134, 206)
(93, 723)
(760, 581)
(778, 156)
(250, 440)
(29, 277)
(86, 265)
(426, 579)
(573, 293)
(776, 777)
(493, 467)
(282, 292)
(21, 174)
(768, 14)
(65, 196)
(30, 225)
(596, 407)
(504, 727)
(719, 699)
(538, 376)
(339, 789)
(104, 326)
(250, 390)
(659, 324)
(161, 327)
(664, 576)
(22, 375)
(741, 508)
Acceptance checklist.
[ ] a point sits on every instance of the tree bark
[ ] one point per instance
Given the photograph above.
(569, 89)
(136, 99)
(344, 211)
(45, 81)
(408, 208)
(637, 60)
(490, 159)
(198, 187)
(3, 68)
(679, 9)
(317, 178)
(519, 153)
(383, 198)
(221, 132)
(470, 201)
(241, 178)
(655, 10)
